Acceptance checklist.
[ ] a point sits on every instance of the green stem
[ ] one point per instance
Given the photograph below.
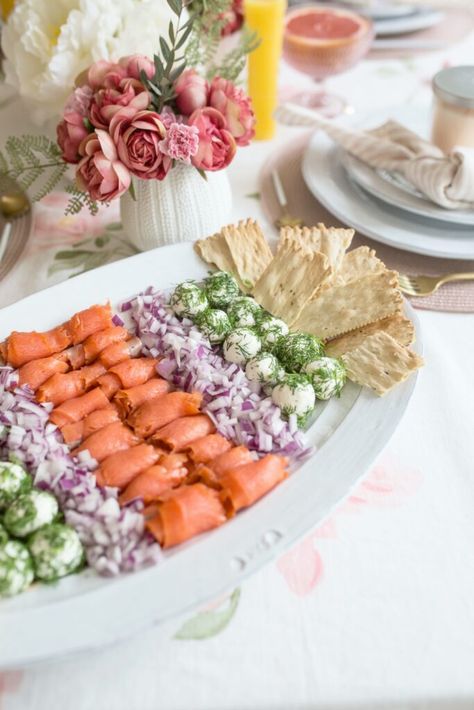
(28, 167)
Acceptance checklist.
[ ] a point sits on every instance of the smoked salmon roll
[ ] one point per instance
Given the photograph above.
(73, 433)
(152, 483)
(59, 388)
(180, 433)
(135, 371)
(237, 456)
(208, 448)
(117, 352)
(128, 400)
(244, 485)
(122, 467)
(79, 407)
(109, 384)
(36, 372)
(155, 413)
(185, 512)
(101, 340)
(20, 347)
(74, 356)
(107, 441)
(88, 322)
(99, 419)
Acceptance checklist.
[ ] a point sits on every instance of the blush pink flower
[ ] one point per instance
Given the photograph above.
(96, 74)
(100, 172)
(234, 18)
(115, 95)
(236, 107)
(216, 145)
(138, 137)
(70, 133)
(134, 64)
(191, 92)
(80, 100)
(181, 142)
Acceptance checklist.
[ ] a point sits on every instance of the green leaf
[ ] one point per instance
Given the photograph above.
(209, 623)
(159, 67)
(202, 173)
(131, 190)
(165, 50)
(184, 36)
(176, 6)
(171, 34)
(177, 72)
(69, 254)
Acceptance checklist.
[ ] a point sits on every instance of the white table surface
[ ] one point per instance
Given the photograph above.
(375, 608)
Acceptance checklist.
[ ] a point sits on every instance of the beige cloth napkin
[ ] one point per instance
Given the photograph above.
(447, 180)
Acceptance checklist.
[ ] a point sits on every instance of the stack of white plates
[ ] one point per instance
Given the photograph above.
(382, 205)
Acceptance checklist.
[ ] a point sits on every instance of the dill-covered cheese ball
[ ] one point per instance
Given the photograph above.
(14, 481)
(56, 550)
(188, 300)
(214, 324)
(241, 345)
(29, 512)
(271, 329)
(16, 569)
(244, 312)
(328, 376)
(295, 395)
(296, 350)
(264, 368)
(221, 288)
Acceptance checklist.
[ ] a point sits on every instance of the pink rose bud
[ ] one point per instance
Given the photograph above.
(70, 132)
(100, 172)
(134, 64)
(216, 145)
(137, 136)
(191, 92)
(236, 107)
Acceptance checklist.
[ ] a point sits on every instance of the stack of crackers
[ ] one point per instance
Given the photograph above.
(349, 299)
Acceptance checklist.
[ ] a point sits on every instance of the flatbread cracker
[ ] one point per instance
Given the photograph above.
(290, 280)
(398, 326)
(381, 363)
(331, 242)
(340, 309)
(214, 250)
(249, 250)
(358, 263)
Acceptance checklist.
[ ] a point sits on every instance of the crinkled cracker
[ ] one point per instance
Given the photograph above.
(332, 242)
(249, 250)
(398, 326)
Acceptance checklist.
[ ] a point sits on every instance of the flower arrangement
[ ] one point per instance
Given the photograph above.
(138, 117)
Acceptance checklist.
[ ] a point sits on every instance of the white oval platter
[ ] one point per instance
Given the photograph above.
(84, 612)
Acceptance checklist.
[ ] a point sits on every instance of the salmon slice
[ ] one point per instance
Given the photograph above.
(118, 352)
(73, 384)
(155, 413)
(76, 409)
(101, 340)
(73, 433)
(185, 512)
(99, 419)
(180, 433)
(107, 441)
(208, 448)
(22, 347)
(245, 484)
(109, 384)
(238, 456)
(120, 468)
(128, 400)
(134, 371)
(36, 372)
(171, 462)
(152, 483)
(88, 322)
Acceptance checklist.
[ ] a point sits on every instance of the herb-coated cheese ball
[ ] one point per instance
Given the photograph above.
(16, 568)
(221, 288)
(241, 345)
(29, 512)
(56, 550)
(244, 312)
(295, 395)
(188, 300)
(264, 368)
(296, 350)
(214, 324)
(14, 481)
(271, 329)
(328, 376)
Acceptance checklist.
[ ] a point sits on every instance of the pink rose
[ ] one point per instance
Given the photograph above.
(216, 145)
(70, 132)
(135, 63)
(181, 142)
(191, 92)
(100, 172)
(97, 72)
(116, 94)
(80, 100)
(236, 108)
(137, 137)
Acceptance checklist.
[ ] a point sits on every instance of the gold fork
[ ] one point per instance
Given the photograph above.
(286, 219)
(418, 285)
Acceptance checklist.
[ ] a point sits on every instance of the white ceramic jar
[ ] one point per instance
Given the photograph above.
(453, 114)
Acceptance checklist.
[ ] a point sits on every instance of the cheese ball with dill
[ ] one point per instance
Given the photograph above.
(29, 512)
(244, 312)
(271, 329)
(296, 350)
(328, 376)
(295, 395)
(241, 345)
(265, 369)
(221, 288)
(214, 324)
(14, 481)
(16, 568)
(56, 551)
(188, 300)
(3, 535)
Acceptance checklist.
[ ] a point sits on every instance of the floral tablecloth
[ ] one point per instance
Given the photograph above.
(375, 607)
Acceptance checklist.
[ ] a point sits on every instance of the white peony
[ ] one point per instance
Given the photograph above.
(48, 43)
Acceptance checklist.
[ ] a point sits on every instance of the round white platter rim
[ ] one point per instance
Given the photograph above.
(422, 19)
(38, 633)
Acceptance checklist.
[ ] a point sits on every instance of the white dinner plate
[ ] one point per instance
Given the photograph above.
(394, 190)
(422, 19)
(330, 184)
(85, 611)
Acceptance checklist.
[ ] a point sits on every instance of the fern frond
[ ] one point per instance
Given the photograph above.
(51, 182)
(29, 158)
(79, 200)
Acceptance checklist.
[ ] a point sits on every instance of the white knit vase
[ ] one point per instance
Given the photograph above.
(181, 208)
